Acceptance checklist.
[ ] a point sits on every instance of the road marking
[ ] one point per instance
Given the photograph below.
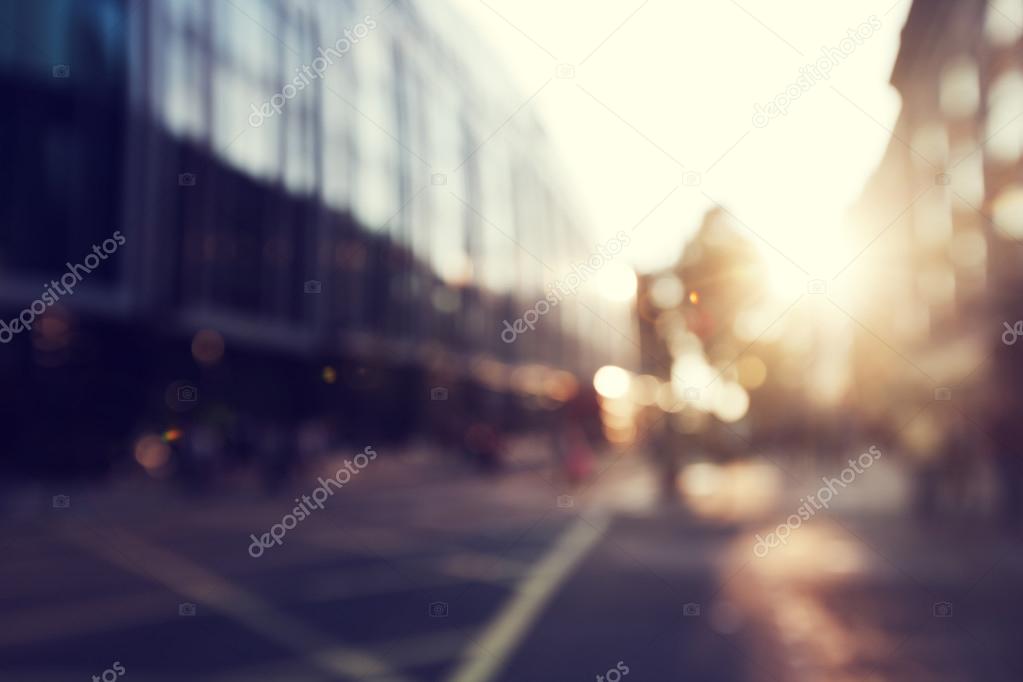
(87, 615)
(422, 650)
(212, 591)
(521, 611)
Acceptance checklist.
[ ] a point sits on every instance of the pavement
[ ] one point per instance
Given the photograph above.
(417, 570)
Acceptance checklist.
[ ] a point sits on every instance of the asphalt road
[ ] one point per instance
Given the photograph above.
(418, 575)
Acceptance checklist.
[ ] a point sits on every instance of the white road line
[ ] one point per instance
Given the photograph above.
(421, 650)
(513, 622)
(212, 591)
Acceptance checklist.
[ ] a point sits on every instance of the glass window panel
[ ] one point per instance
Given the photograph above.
(243, 36)
(933, 221)
(448, 189)
(497, 234)
(1007, 212)
(931, 142)
(377, 197)
(967, 177)
(251, 149)
(300, 103)
(960, 88)
(183, 82)
(1004, 123)
(184, 12)
(338, 122)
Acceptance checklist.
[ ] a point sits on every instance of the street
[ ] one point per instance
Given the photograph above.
(408, 573)
(504, 341)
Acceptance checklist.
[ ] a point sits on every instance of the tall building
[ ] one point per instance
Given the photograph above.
(940, 222)
(315, 182)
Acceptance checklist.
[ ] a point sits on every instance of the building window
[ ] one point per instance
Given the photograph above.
(302, 105)
(376, 199)
(931, 142)
(1004, 122)
(1007, 212)
(498, 271)
(960, 88)
(448, 189)
(339, 87)
(967, 176)
(182, 70)
(933, 222)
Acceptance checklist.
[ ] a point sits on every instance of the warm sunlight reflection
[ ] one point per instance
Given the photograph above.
(733, 492)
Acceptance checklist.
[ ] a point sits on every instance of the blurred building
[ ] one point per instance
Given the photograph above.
(310, 183)
(698, 337)
(940, 223)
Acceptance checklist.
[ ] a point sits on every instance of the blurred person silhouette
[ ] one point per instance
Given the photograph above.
(577, 456)
(200, 451)
(275, 455)
(923, 445)
(240, 441)
(664, 453)
(1008, 462)
(958, 466)
(484, 446)
(312, 441)
(579, 418)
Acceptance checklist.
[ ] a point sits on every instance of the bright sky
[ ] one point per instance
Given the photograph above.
(663, 88)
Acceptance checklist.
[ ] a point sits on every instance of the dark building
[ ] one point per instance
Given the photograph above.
(319, 188)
